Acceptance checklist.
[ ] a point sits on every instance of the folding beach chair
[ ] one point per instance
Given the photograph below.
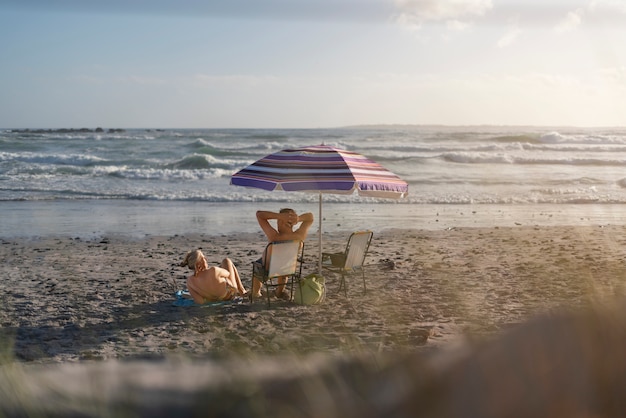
(282, 258)
(352, 260)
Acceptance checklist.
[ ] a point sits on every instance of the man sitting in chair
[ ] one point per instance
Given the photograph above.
(286, 220)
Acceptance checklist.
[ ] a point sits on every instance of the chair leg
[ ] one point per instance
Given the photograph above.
(267, 291)
(345, 285)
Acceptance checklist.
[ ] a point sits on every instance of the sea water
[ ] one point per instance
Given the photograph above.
(145, 181)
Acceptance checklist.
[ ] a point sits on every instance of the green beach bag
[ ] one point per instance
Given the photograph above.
(311, 290)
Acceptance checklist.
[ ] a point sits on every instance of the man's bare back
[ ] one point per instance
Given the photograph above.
(286, 220)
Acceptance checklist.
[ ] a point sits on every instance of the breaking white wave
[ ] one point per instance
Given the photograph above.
(442, 165)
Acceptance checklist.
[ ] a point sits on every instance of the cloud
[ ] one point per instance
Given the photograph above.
(438, 10)
(457, 25)
(415, 13)
(614, 5)
(596, 11)
(613, 76)
(571, 21)
(509, 37)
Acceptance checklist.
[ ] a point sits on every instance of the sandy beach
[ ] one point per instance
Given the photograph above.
(71, 300)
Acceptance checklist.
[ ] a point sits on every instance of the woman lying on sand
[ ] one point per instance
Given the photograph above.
(209, 284)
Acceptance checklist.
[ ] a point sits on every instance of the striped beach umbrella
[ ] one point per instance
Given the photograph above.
(321, 169)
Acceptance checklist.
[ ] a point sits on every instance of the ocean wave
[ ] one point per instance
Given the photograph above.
(442, 166)
(203, 162)
(499, 181)
(524, 138)
(509, 152)
(53, 159)
(486, 158)
(195, 191)
(200, 146)
(576, 148)
(587, 138)
(192, 162)
(267, 147)
(269, 137)
(162, 174)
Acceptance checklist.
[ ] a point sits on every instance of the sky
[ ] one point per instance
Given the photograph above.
(311, 63)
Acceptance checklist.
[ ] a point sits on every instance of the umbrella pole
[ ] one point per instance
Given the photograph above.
(319, 238)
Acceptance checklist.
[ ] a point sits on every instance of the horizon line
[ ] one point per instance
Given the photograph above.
(355, 126)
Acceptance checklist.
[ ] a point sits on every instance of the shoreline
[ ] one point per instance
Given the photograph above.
(90, 219)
